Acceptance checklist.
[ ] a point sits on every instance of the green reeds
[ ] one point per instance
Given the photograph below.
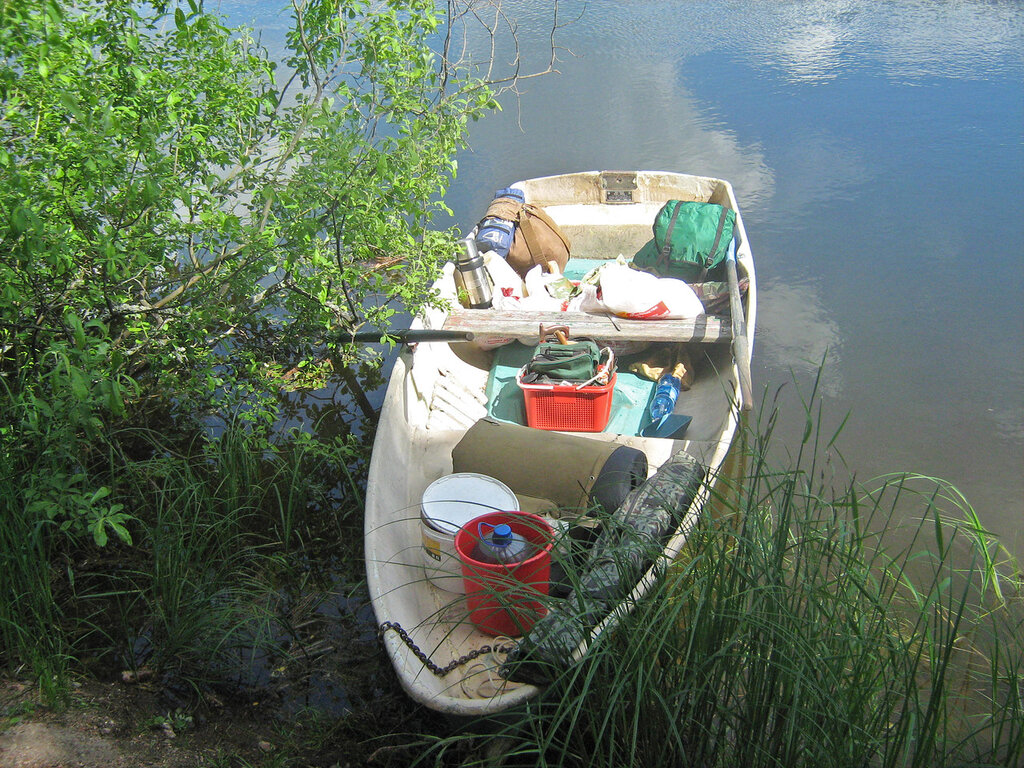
(804, 625)
(219, 528)
(30, 618)
(191, 597)
(226, 530)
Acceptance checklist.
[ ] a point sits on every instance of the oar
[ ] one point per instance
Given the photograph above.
(406, 336)
(740, 348)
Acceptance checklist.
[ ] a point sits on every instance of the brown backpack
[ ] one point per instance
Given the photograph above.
(537, 239)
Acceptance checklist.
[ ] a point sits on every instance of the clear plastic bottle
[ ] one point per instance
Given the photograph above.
(502, 545)
(665, 396)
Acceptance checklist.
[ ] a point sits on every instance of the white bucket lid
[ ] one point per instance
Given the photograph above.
(453, 500)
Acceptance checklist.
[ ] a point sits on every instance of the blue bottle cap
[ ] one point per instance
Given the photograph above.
(502, 534)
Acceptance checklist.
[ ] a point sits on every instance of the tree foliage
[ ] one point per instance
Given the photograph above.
(183, 212)
(177, 207)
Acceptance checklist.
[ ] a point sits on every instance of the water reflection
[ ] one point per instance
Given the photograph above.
(812, 53)
(795, 332)
(818, 166)
(631, 121)
(973, 40)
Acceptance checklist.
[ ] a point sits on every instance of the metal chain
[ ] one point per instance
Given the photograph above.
(419, 654)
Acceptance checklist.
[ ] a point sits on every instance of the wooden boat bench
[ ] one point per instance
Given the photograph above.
(485, 324)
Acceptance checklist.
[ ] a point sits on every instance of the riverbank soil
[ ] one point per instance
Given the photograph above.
(116, 725)
(130, 724)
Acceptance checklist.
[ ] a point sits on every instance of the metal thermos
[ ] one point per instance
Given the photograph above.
(474, 276)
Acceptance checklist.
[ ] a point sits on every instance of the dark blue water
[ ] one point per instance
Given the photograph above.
(877, 151)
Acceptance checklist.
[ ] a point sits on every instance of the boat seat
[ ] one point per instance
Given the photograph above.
(494, 324)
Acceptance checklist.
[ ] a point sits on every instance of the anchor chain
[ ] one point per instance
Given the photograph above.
(397, 628)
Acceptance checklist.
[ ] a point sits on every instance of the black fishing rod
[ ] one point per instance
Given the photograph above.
(405, 336)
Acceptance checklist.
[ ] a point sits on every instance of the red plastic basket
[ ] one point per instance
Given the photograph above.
(565, 408)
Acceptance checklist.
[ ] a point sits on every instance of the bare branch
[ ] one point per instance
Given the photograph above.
(488, 17)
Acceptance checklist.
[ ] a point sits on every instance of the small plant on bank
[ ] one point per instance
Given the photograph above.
(171, 723)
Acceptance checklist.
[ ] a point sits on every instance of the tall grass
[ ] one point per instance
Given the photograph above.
(218, 528)
(30, 616)
(805, 625)
(191, 596)
(227, 530)
(41, 498)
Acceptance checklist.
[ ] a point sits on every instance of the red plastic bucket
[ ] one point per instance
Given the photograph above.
(503, 599)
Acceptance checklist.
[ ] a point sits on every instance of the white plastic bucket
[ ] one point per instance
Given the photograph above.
(449, 503)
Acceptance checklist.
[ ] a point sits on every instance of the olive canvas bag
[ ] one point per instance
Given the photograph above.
(553, 361)
(537, 238)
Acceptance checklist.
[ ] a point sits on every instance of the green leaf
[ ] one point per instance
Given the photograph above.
(79, 385)
(122, 532)
(100, 493)
(76, 328)
(19, 220)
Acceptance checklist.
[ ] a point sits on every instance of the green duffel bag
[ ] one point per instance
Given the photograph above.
(690, 240)
(552, 361)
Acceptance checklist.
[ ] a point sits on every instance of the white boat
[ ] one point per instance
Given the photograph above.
(437, 391)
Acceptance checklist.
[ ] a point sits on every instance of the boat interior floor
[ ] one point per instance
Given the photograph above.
(470, 385)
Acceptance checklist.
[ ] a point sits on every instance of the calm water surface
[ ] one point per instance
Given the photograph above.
(877, 151)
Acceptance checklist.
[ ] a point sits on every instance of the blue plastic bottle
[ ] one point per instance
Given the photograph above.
(501, 546)
(665, 396)
(511, 192)
(494, 234)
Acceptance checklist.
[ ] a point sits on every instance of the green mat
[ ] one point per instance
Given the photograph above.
(505, 400)
(577, 268)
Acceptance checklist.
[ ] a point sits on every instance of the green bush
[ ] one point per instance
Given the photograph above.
(182, 210)
(181, 218)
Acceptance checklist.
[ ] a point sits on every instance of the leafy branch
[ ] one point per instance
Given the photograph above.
(168, 178)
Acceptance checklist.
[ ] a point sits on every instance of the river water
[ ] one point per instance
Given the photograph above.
(877, 151)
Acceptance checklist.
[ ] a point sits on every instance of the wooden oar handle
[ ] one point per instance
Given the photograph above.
(561, 333)
(740, 348)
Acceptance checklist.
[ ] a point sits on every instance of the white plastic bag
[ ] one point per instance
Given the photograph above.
(506, 283)
(630, 293)
(537, 298)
